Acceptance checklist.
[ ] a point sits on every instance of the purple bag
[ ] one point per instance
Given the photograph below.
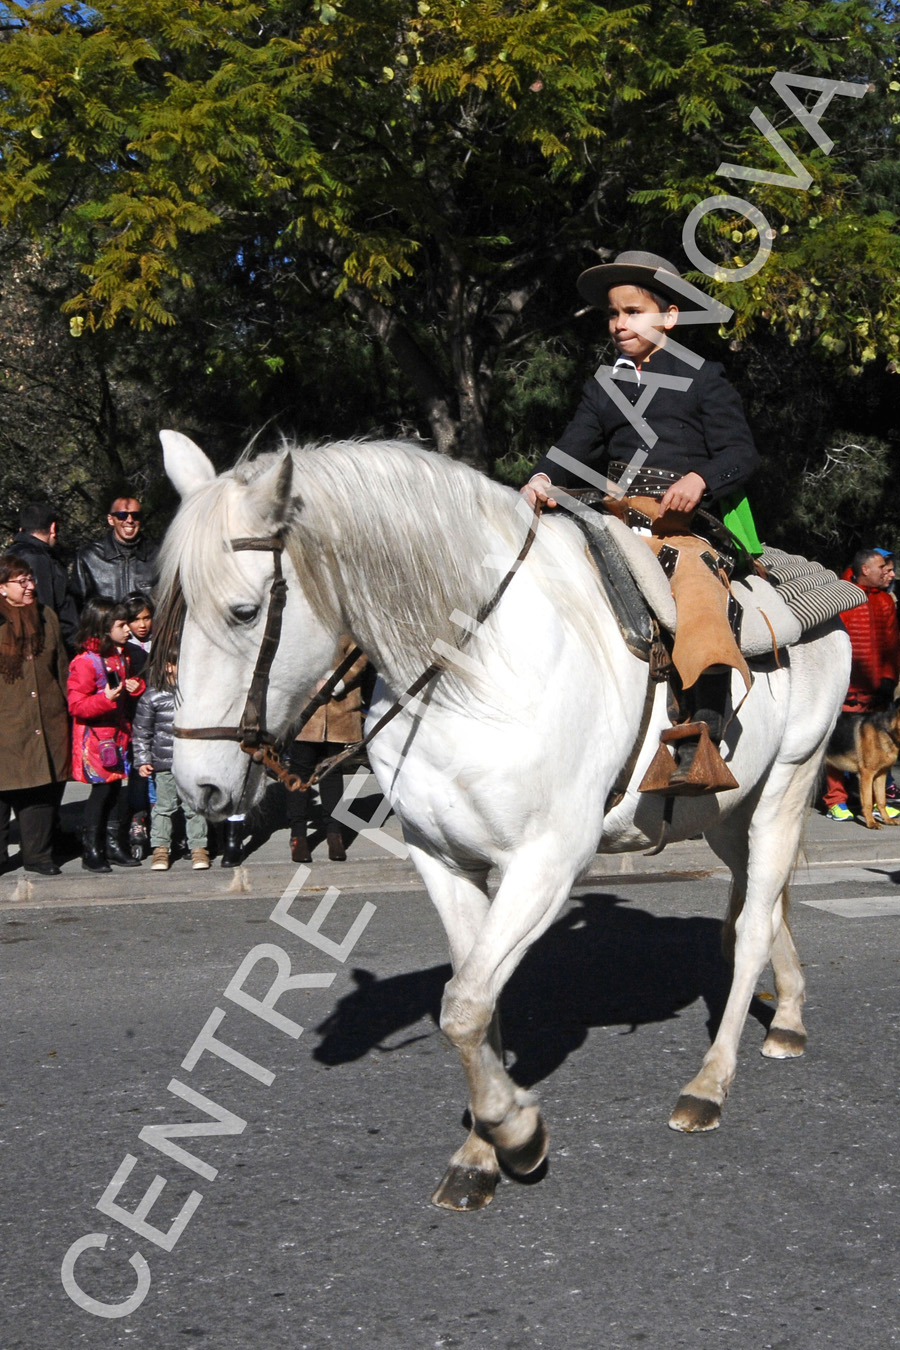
(109, 755)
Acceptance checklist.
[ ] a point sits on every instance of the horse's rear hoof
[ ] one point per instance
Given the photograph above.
(692, 1115)
(782, 1043)
(525, 1157)
(465, 1188)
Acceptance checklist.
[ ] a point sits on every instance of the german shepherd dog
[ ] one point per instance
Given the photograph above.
(868, 744)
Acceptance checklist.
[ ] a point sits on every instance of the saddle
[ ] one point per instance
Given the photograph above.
(785, 596)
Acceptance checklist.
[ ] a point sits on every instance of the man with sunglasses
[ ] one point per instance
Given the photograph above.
(121, 562)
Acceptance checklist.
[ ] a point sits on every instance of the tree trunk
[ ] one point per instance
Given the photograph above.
(454, 416)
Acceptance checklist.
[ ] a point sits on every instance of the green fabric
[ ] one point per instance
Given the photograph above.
(738, 518)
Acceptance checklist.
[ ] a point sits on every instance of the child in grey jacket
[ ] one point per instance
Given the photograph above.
(152, 744)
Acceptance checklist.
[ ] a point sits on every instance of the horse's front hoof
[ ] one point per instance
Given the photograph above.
(522, 1159)
(693, 1115)
(465, 1188)
(782, 1043)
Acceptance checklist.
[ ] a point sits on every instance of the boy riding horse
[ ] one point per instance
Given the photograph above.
(702, 451)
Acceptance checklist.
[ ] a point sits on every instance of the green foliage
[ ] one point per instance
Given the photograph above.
(831, 280)
(845, 499)
(369, 214)
(536, 388)
(345, 125)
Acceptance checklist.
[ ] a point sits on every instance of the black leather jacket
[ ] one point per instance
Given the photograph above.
(108, 567)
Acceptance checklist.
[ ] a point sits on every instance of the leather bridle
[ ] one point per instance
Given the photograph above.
(250, 731)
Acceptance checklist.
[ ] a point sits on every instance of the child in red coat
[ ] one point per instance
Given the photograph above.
(101, 694)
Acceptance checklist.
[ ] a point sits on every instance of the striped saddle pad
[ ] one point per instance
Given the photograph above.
(812, 593)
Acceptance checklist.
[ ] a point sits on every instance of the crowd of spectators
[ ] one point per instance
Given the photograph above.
(74, 706)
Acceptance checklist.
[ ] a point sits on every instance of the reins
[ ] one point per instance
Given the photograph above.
(251, 733)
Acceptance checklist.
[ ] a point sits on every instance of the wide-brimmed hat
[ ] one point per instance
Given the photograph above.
(629, 269)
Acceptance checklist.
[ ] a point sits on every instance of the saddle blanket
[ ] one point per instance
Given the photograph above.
(798, 595)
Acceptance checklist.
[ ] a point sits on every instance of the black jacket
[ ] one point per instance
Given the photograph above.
(108, 567)
(52, 587)
(701, 429)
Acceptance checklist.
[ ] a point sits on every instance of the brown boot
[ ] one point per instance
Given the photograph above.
(336, 851)
(300, 849)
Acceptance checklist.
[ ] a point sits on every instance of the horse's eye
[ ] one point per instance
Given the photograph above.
(244, 613)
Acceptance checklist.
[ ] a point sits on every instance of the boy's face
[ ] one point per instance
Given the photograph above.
(140, 625)
(635, 325)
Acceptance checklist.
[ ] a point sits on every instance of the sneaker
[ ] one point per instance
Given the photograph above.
(892, 813)
(138, 837)
(199, 859)
(891, 792)
(840, 811)
(160, 862)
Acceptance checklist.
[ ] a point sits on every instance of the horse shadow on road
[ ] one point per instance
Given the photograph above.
(603, 963)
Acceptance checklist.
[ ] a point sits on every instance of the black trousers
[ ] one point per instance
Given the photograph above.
(35, 809)
(304, 756)
(103, 807)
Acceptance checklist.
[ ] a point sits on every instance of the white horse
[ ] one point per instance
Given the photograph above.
(508, 760)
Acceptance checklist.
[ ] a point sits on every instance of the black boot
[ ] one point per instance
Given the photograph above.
(114, 851)
(233, 852)
(93, 859)
(705, 702)
(697, 766)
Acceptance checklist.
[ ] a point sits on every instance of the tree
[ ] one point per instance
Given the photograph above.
(70, 430)
(441, 169)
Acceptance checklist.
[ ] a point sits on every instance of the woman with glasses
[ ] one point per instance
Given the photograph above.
(34, 722)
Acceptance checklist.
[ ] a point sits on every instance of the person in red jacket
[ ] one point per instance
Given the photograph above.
(101, 694)
(875, 668)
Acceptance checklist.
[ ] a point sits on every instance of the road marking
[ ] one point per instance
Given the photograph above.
(874, 875)
(859, 906)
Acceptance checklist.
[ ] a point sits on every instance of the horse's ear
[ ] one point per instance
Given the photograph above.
(270, 493)
(185, 463)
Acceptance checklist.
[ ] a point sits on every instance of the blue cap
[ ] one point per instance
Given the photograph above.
(885, 552)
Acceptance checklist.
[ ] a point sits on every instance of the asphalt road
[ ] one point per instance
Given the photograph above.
(314, 1228)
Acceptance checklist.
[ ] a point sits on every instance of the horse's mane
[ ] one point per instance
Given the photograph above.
(406, 537)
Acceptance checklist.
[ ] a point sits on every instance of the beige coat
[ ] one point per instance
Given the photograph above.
(34, 719)
(340, 719)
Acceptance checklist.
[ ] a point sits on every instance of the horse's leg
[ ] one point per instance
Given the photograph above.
(730, 841)
(760, 936)
(462, 903)
(786, 1037)
(531, 894)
